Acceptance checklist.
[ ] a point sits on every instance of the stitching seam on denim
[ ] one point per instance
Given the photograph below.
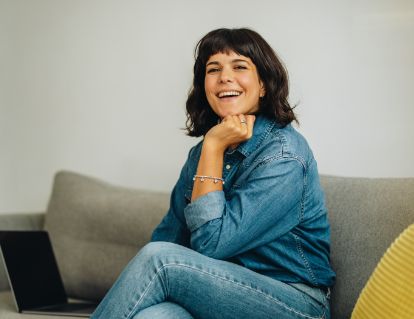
(305, 260)
(144, 293)
(222, 278)
(260, 140)
(304, 194)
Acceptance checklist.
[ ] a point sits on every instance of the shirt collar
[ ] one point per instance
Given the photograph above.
(262, 127)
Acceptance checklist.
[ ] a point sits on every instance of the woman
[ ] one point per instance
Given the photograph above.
(246, 235)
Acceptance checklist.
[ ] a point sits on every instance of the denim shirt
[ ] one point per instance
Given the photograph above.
(271, 215)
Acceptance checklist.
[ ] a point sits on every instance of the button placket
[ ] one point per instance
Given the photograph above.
(228, 165)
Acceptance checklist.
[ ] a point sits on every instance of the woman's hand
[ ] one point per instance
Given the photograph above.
(232, 130)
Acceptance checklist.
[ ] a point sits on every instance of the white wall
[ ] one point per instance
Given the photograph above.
(99, 87)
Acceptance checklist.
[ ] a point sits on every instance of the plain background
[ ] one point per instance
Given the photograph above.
(99, 87)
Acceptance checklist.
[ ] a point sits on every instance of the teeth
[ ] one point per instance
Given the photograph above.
(229, 93)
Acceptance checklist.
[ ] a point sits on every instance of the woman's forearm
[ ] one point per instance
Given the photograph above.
(210, 164)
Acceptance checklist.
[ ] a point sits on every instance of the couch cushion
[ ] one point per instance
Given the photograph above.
(366, 215)
(96, 228)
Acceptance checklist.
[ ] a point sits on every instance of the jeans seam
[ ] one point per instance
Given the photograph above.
(158, 270)
(222, 278)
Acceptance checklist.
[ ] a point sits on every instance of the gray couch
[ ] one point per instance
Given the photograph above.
(96, 228)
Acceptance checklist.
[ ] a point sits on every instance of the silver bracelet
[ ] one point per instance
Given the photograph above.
(203, 178)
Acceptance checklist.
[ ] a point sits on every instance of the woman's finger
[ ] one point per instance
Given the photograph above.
(244, 125)
(242, 119)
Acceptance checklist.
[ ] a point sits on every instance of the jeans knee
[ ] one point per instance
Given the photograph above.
(156, 252)
(157, 248)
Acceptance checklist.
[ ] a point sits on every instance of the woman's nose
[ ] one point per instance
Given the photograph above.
(226, 76)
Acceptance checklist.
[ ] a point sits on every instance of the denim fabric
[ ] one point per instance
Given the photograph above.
(271, 215)
(164, 310)
(166, 280)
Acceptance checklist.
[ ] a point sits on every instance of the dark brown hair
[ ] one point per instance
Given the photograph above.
(274, 105)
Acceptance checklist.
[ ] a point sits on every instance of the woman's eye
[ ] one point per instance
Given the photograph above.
(212, 70)
(240, 67)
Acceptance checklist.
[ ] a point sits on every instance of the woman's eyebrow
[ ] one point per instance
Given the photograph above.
(232, 61)
(239, 60)
(212, 62)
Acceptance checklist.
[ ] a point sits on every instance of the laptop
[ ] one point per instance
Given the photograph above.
(34, 276)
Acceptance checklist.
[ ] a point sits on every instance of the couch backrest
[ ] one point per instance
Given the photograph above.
(96, 228)
(366, 215)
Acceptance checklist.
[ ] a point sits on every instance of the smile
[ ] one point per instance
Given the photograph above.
(228, 94)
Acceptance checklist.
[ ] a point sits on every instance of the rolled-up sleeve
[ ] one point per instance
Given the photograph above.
(204, 209)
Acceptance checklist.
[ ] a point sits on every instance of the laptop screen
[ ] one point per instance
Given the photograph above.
(32, 269)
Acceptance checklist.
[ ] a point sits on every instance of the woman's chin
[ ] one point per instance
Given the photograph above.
(223, 114)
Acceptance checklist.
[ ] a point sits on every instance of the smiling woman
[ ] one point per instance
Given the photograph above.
(251, 56)
(232, 85)
(246, 234)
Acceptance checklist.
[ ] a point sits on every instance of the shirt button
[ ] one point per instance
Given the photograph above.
(228, 166)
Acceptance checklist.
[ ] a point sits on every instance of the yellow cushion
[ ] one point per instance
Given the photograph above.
(389, 292)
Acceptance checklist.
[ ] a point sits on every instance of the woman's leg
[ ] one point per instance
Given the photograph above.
(164, 310)
(205, 287)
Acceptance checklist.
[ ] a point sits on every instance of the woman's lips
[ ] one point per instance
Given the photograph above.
(229, 93)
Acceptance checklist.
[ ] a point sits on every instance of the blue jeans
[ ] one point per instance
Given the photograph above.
(166, 280)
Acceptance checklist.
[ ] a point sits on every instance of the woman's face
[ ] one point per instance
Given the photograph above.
(232, 84)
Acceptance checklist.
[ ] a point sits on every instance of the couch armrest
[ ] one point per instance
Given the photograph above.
(18, 221)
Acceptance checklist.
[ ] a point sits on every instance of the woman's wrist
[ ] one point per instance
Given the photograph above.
(214, 146)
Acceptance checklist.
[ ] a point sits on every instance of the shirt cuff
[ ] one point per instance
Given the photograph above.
(204, 209)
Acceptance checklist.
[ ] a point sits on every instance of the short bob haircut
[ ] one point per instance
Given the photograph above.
(274, 105)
